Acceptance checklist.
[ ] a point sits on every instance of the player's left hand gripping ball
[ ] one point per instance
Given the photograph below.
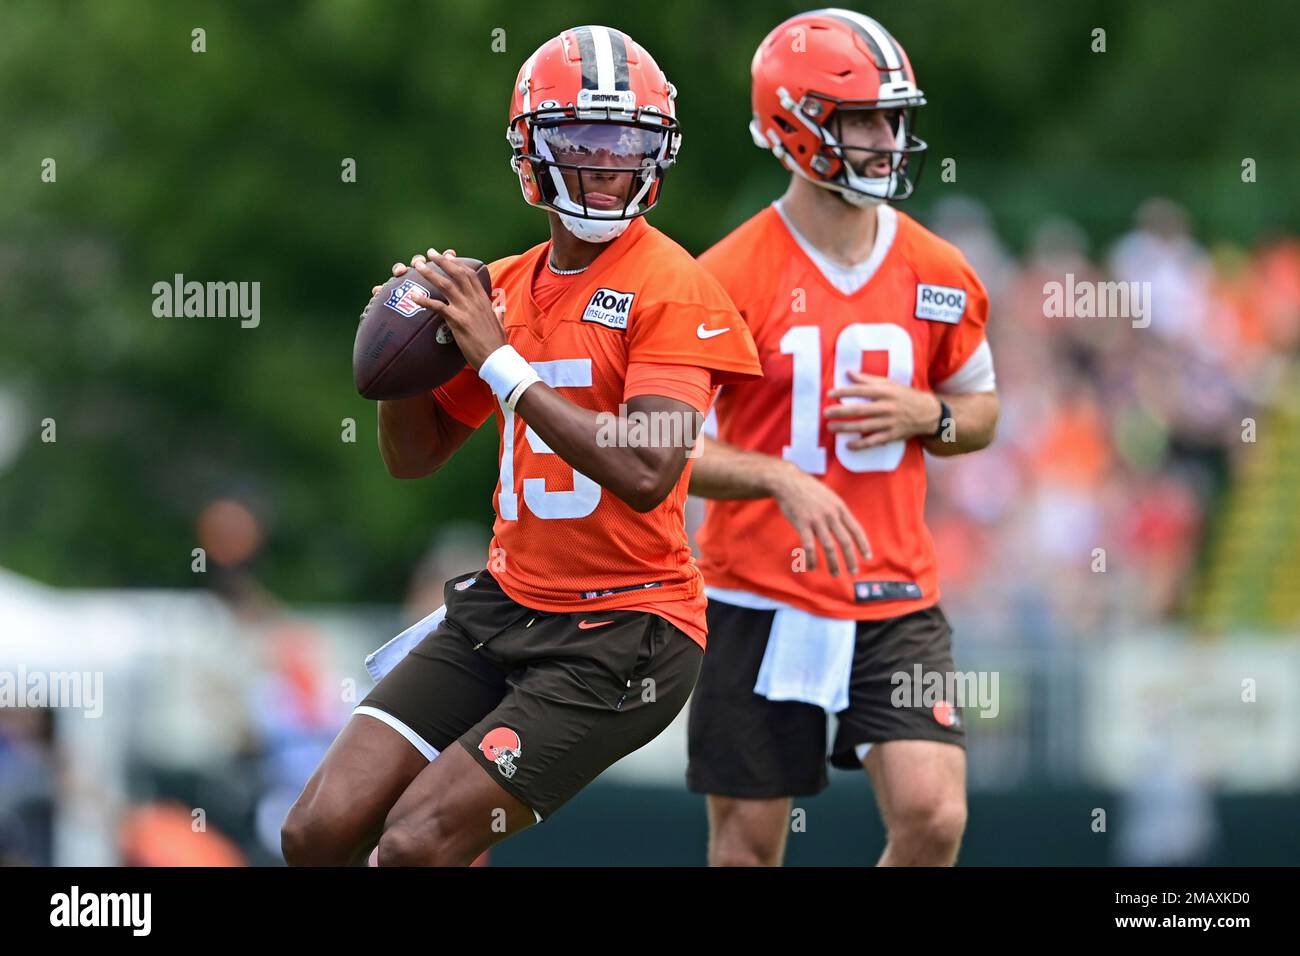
(468, 312)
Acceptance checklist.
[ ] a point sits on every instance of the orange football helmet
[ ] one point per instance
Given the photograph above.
(807, 73)
(592, 130)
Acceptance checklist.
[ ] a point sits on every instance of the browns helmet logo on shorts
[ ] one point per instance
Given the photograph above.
(503, 747)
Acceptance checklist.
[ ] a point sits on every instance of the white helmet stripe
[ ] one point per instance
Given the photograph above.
(604, 59)
(528, 81)
(880, 39)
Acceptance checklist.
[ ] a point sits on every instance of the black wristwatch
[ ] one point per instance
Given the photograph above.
(945, 415)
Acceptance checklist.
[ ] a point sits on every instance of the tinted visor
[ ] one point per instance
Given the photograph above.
(598, 167)
(602, 144)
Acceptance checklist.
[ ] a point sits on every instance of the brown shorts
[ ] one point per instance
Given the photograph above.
(544, 701)
(744, 745)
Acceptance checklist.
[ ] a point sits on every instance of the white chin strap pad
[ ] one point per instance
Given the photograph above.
(857, 199)
(595, 230)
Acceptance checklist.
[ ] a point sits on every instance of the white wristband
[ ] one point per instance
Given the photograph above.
(503, 370)
(518, 391)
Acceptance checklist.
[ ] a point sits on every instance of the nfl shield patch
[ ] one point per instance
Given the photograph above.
(400, 298)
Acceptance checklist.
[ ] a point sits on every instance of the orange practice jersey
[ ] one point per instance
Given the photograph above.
(917, 320)
(562, 542)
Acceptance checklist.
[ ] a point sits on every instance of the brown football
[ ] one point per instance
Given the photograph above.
(402, 349)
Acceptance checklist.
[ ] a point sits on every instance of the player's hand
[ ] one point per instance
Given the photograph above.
(399, 268)
(891, 412)
(820, 516)
(468, 310)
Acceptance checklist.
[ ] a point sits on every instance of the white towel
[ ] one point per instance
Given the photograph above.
(808, 658)
(383, 660)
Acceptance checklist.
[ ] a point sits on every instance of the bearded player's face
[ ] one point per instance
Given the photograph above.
(870, 135)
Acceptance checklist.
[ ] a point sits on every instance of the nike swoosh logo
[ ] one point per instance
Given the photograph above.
(588, 625)
(704, 333)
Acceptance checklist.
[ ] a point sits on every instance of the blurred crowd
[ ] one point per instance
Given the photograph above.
(1117, 437)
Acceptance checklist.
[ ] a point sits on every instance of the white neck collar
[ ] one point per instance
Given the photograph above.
(849, 279)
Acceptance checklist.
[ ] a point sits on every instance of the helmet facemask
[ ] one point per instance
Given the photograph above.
(836, 166)
(906, 158)
(598, 167)
(598, 176)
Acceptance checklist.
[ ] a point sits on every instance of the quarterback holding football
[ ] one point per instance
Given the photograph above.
(581, 637)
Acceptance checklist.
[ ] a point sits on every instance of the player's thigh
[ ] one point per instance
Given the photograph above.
(745, 832)
(915, 779)
(738, 813)
(342, 808)
(429, 699)
(450, 814)
(531, 754)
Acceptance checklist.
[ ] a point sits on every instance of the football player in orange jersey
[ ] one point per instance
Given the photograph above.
(871, 334)
(582, 637)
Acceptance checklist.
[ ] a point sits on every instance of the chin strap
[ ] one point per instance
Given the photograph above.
(854, 199)
(595, 230)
